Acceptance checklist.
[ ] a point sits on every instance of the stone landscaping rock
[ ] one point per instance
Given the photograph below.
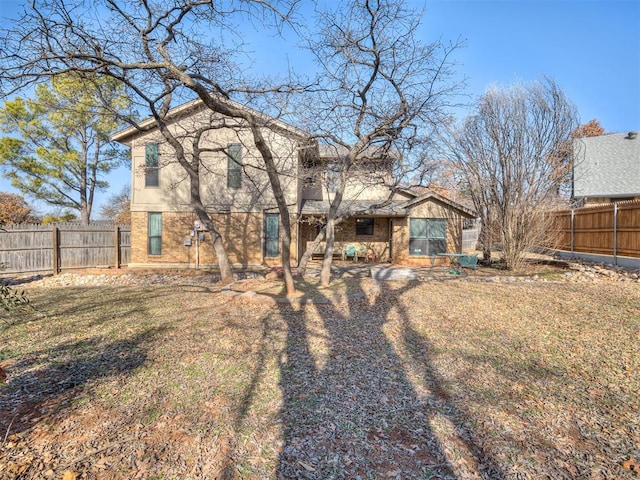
(578, 272)
(393, 273)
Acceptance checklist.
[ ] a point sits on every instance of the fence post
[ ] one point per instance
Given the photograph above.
(572, 240)
(56, 250)
(116, 243)
(615, 233)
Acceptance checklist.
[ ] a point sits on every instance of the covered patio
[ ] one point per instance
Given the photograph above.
(365, 235)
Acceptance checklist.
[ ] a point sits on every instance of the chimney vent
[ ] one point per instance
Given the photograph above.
(632, 135)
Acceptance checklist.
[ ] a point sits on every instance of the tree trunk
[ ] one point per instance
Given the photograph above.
(226, 274)
(281, 201)
(325, 273)
(485, 240)
(84, 215)
(306, 256)
(193, 170)
(289, 284)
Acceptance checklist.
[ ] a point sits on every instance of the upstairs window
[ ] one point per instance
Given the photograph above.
(234, 165)
(332, 176)
(151, 165)
(427, 236)
(364, 226)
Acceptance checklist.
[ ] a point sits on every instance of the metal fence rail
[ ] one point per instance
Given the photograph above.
(40, 248)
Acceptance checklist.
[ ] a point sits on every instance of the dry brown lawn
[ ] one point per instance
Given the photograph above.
(421, 380)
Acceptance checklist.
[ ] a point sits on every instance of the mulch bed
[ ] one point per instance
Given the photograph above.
(416, 380)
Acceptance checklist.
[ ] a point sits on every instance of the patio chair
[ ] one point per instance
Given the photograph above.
(363, 252)
(350, 251)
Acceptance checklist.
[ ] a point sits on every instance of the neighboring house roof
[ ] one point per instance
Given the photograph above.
(197, 105)
(607, 166)
(378, 208)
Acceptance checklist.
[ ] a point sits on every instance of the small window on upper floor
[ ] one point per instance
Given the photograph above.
(332, 176)
(151, 165)
(234, 165)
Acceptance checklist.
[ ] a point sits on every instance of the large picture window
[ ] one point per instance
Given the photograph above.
(154, 233)
(427, 236)
(271, 234)
(151, 165)
(234, 165)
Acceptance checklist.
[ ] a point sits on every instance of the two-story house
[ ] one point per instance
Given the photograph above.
(606, 168)
(405, 228)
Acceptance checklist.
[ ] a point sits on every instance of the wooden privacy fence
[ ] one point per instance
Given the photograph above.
(611, 229)
(40, 248)
(470, 239)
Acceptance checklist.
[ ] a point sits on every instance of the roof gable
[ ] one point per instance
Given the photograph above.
(195, 106)
(461, 209)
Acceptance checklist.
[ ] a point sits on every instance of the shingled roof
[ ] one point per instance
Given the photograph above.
(607, 166)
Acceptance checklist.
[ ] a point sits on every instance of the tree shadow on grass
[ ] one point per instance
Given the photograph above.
(99, 304)
(350, 404)
(46, 382)
(471, 457)
(349, 409)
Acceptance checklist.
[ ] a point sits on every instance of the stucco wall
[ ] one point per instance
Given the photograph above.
(172, 194)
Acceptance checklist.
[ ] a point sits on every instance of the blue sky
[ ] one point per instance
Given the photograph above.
(590, 48)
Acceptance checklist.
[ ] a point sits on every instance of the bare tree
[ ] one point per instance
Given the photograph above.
(511, 154)
(117, 207)
(163, 53)
(382, 88)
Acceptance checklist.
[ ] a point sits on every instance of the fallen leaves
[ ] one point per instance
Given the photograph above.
(420, 381)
